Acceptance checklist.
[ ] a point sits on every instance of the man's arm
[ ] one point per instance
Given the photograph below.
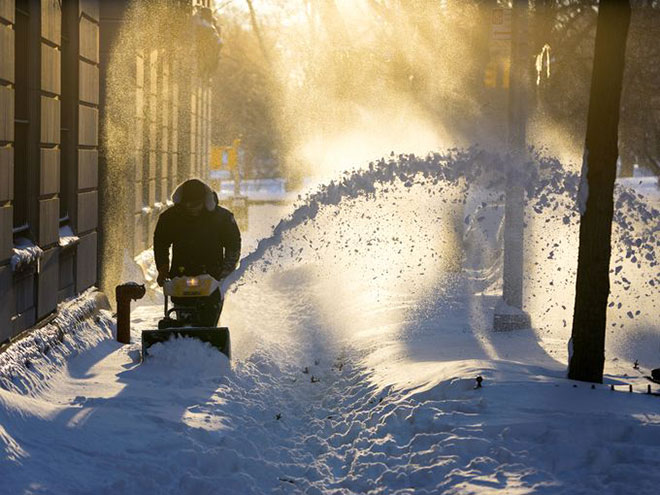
(162, 243)
(232, 247)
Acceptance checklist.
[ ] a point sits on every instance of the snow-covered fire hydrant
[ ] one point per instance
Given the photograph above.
(125, 293)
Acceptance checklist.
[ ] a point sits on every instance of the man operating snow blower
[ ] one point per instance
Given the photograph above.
(206, 245)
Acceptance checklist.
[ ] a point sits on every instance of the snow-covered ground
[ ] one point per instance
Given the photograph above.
(266, 190)
(357, 338)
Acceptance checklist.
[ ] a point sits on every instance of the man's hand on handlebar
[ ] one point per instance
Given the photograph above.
(225, 273)
(162, 276)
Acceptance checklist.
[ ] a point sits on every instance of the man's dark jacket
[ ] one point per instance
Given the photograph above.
(209, 242)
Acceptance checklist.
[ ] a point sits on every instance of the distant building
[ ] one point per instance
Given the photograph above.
(58, 173)
(156, 105)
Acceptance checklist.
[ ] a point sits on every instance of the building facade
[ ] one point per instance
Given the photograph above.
(157, 64)
(57, 176)
(49, 80)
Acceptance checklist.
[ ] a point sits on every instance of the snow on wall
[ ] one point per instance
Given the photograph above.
(583, 192)
(25, 252)
(145, 260)
(26, 364)
(67, 237)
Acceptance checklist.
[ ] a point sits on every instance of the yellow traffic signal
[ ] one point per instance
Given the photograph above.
(490, 75)
(225, 157)
(496, 74)
(216, 157)
(506, 70)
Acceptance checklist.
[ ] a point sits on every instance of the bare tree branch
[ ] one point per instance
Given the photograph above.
(257, 32)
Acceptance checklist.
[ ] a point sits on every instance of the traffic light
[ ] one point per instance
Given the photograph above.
(490, 75)
(506, 71)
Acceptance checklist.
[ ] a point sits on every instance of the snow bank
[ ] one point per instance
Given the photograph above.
(273, 190)
(27, 364)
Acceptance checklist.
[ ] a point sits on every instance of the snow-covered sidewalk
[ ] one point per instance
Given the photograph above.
(399, 416)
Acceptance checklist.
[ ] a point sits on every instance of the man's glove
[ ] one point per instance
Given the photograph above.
(226, 270)
(229, 265)
(162, 276)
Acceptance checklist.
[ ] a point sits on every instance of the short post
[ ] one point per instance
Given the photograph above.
(124, 294)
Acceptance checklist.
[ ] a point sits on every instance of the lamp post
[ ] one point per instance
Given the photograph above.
(509, 314)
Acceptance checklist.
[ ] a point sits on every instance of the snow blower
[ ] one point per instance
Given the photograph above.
(192, 300)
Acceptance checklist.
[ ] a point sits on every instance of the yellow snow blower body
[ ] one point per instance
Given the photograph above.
(191, 296)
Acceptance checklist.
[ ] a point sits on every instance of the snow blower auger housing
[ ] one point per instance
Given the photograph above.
(193, 307)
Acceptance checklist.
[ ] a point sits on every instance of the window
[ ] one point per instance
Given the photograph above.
(68, 138)
(21, 116)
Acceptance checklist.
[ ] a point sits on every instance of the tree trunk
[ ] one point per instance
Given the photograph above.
(597, 188)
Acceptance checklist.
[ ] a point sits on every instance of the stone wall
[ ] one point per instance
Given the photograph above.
(74, 214)
(165, 125)
(48, 155)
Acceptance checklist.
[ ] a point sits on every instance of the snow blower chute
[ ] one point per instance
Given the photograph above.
(195, 310)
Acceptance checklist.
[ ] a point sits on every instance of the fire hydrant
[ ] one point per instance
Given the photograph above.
(125, 293)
